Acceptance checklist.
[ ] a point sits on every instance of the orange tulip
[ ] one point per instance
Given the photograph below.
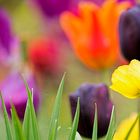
(93, 32)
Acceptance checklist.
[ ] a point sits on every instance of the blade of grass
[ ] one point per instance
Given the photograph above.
(18, 134)
(54, 129)
(34, 123)
(26, 122)
(56, 110)
(131, 128)
(75, 122)
(6, 119)
(111, 128)
(95, 126)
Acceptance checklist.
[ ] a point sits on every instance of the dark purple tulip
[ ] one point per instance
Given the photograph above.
(89, 95)
(13, 90)
(129, 32)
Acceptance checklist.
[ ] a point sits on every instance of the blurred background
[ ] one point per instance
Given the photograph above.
(43, 41)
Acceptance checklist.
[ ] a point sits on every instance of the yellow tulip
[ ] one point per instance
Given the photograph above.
(126, 80)
(124, 128)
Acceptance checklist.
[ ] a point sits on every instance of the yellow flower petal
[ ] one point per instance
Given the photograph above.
(126, 80)
(125, 126)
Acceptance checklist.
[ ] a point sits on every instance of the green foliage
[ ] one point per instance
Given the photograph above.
(95, 127)
(17, 127)
(75, 122)
(111, 128)
(31, 117)
(56, 111)
(7, 122)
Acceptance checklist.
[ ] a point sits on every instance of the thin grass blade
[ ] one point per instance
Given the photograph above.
(7, 122)
(75, 123)
(112, 126)
(17, 128)
(33, 119)
(26, 127)
(56, 112)
(95, 126)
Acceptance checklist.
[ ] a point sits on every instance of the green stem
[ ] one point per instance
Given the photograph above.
(105, 76)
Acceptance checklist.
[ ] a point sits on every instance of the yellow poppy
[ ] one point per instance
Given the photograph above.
(126, 80)
(124, 128)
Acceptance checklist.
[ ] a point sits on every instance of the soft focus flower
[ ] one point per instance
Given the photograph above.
(100, 2)
(126, 79)
(8, 42)
(93, 32)
(53, 8)
(45, 56)
(129, 30)
(124, 128)
(89, 95)
(14, 91)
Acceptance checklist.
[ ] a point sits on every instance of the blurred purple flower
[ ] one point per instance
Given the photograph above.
(8, 42)
(89, 95)
(53, 8)
(99, 2)
(13, 90)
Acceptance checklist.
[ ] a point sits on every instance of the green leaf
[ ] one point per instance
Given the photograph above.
(75, 122)
(17, 128)
(26, 127)
(111, 128)
(56, 111)
(33, 120)
(95, 126)
(131, 128)
(7, 122)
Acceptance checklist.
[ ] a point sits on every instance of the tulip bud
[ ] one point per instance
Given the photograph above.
(89, 95)
(129, 31)
(14, 91)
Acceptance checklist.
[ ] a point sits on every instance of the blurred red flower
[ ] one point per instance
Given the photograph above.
(45, 56)
(93, 32)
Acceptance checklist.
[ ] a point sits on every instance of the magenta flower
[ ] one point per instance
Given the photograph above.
(8, 42)
(13, 90)
(89, 95)
(53, 8)
(99, 2)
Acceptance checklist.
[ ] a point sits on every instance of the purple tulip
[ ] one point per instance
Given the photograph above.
(13, 90)
(129, 33)
(89, 95)
(8, 42)
(6, 36)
